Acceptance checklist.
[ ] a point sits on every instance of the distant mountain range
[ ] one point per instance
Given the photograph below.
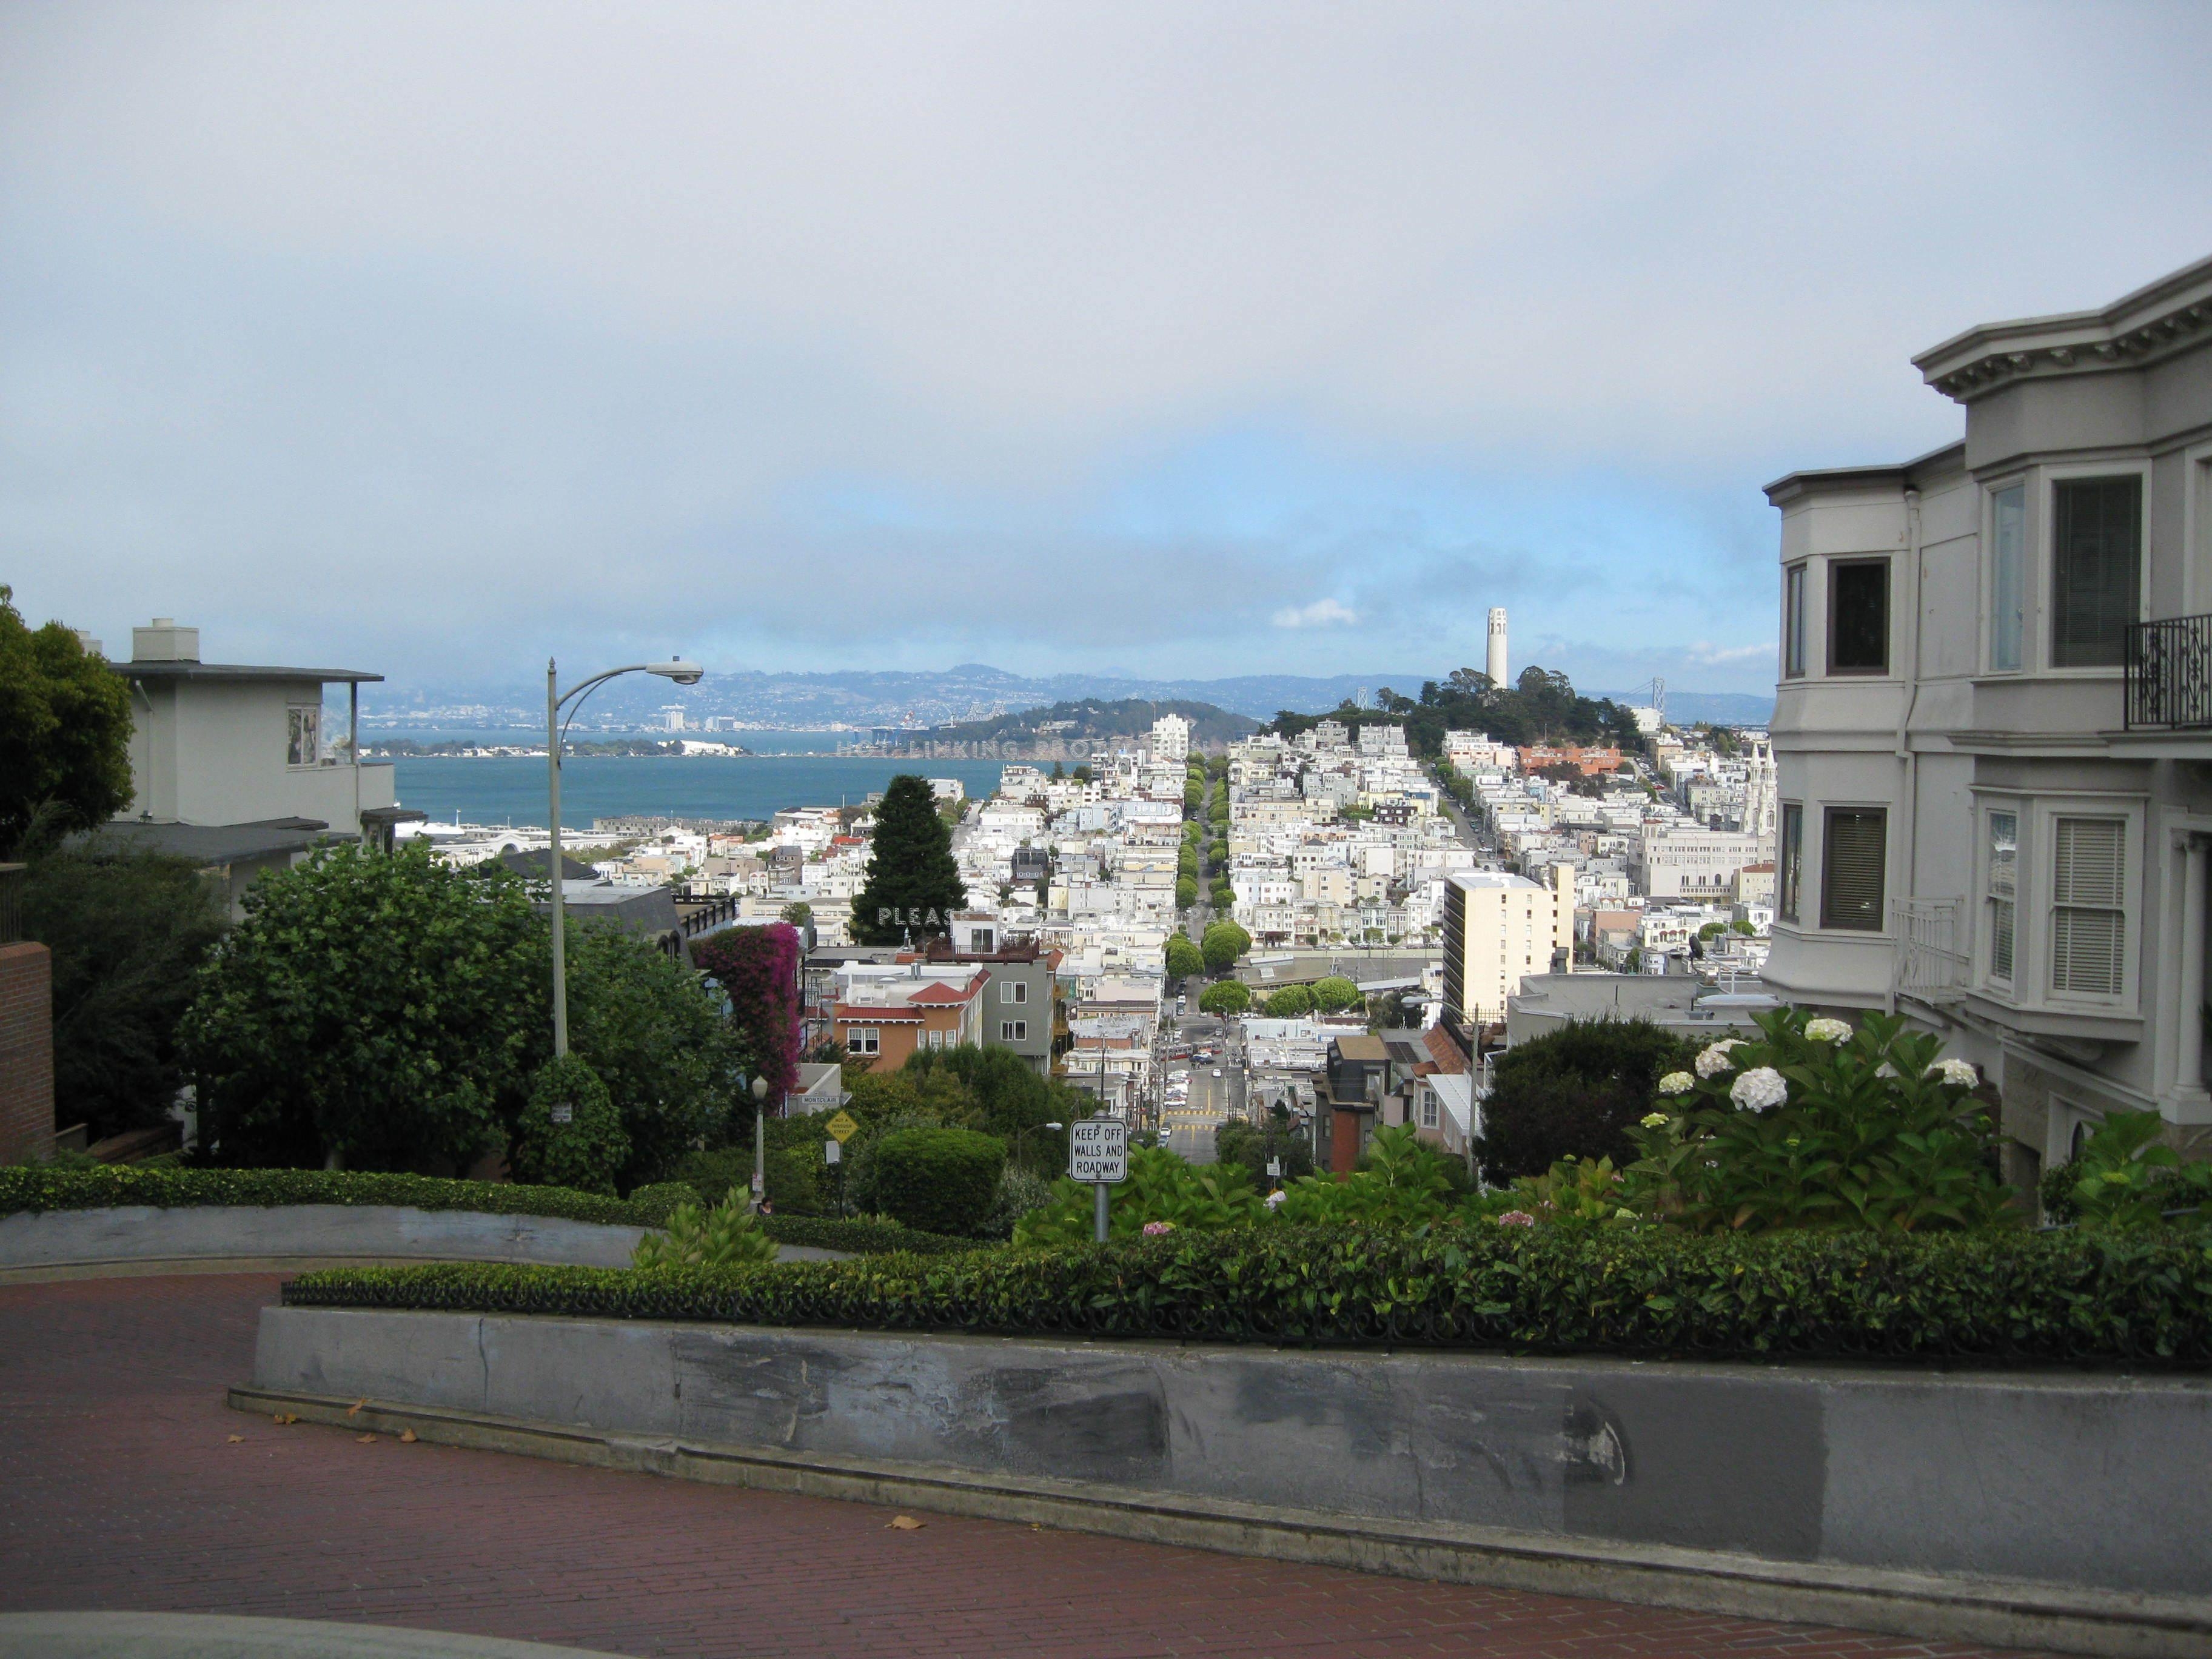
(860, 700)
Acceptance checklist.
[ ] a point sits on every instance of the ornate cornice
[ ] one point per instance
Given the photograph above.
(2172, 315)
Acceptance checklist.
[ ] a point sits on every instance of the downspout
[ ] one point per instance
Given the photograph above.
(1906, 756)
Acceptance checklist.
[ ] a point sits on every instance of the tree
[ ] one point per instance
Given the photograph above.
(64, 731)
(1223, 943)
(127, 932)
(1186, 891)
(1333, 994)
(1241, 1144)
(1574, 1093)
(1291, 1002)
(1227, 996)
(798, 913)
(1184, 957)
(757, 969)
(371, 1012)
(912, 887)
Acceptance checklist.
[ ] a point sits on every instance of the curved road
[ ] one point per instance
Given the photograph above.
(126, 1484)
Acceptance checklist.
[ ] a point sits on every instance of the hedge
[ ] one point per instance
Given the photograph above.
(2137, 1299)
(24, 1188)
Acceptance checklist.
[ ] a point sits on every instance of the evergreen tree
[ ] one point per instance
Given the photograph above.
(64, 731)
(913, 886)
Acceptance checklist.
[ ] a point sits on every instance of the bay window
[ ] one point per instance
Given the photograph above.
(2096, 539)
(1858, 617)
(1853, 855)
(2088, 909)
(2002, 889)
(1791, 861)
(2008, 574)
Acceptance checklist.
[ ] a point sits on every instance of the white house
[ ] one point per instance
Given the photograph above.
(1993, 730)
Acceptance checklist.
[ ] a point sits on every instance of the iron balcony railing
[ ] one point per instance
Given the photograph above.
(1931, 962)
(2169, 667)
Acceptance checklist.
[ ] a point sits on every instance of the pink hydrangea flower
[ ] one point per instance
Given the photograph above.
(1154, 1228)
(1517, 1219)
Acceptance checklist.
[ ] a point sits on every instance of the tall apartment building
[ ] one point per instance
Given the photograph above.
(1170, 738)
(1994, 724)
(1497, 929)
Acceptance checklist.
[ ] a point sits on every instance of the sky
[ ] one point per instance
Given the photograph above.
(1184, 340)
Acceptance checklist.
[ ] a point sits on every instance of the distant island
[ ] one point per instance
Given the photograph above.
(1075, 731)
(398, 748)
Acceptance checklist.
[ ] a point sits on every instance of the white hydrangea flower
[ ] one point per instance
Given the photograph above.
(1828, 1030)
(1759, 1090)
(1656, 1120)
(1886, 1070)
(1959, 1073)
(1715, 1059)
(1677, 1083)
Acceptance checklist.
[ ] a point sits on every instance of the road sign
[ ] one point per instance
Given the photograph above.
(832, 1150)
(1098, 1149)
(843, 1127)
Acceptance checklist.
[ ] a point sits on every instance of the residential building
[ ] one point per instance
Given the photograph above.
(1018, 978)
(1170, 738)
(883, 1022)
(1497, 928)
(1680, 860)
(1993, 732)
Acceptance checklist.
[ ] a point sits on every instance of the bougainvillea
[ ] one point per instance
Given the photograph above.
(757, 969)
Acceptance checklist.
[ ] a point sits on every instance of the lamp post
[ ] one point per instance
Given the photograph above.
(684, 673)
(1021, 1136)
(760, 1140)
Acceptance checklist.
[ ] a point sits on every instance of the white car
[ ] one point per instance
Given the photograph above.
(1217, 1071)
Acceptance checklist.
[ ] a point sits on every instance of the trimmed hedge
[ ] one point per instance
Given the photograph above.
(32, 1190)
(2138, 1299)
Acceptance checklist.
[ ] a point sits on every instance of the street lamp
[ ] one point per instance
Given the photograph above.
(684, 673)
(1021, 1136)
(760, 1140)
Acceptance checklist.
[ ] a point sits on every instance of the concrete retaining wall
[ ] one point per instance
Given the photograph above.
(138, 1238)
(2066, 1480)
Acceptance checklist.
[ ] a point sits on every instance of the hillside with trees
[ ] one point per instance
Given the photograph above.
(1093, 720)
(1541, 707)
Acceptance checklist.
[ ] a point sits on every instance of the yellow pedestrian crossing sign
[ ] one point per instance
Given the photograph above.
(843, 1127)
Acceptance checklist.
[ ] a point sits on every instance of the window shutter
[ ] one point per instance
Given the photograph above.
(2088, 927)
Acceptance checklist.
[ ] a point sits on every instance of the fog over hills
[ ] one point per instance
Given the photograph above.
(860, 699)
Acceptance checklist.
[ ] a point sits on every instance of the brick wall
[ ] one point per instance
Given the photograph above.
(27, 1051)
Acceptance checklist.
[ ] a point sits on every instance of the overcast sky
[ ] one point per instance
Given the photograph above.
(1189, 339)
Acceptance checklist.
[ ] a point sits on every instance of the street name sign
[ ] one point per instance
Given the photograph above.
(1098, 1149)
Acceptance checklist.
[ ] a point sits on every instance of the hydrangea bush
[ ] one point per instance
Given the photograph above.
(1813, 1124)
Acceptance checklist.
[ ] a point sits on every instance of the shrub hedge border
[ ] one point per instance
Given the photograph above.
(2139, 1300)
(29, 1189)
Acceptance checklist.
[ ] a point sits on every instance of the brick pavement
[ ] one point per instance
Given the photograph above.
(120, 1487)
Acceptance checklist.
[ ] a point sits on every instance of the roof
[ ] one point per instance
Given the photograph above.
(941, 994)
(535, 865)
(1361, 1047)
(2156, 321)
(212, 843)
(239, 672)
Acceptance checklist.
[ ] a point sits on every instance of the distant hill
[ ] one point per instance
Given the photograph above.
(1072, 729)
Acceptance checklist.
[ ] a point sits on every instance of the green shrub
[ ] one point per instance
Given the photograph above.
(1241, 1144)
(939, 1181)
(727, 1236)
(1399, 1182)
(658, 1200)
(1575, 1093)
(569, 1134)
(2136, 1299)
(795, 1179)
(2125, 1178)
(1020, 1191)
(1814, 1125)
(108, 1186)
(1334, 993)
(1161, 1190)
(860, 1236)
(1291, 1002)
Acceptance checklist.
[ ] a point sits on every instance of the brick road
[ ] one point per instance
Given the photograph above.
(120, 1487)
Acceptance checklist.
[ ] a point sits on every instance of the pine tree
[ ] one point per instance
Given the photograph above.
(913, 886)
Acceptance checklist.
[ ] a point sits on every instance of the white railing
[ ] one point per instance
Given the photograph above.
(1931, 963)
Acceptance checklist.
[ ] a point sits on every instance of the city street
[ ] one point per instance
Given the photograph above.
(1212, 1100)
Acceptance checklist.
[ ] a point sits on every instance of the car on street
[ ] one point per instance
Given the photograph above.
(1217, 1071)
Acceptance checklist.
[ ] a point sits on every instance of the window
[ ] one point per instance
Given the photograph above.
(2004, 891)
(2096, 538)
(1013, 1031)
(1013, 990)
(2008, 574)
(1428, 1109)
(1851, 868)
(1793, 622)
(864, 1039)
(1858, 617)
(1791, 857)
(2089, 920)
(982, 941)
(303, 742)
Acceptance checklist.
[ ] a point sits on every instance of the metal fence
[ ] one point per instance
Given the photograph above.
(1931, 965)
(2169, 667)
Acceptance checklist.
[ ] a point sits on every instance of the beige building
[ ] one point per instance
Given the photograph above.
(1993, 727)
(1499, 929)
(1683, 861)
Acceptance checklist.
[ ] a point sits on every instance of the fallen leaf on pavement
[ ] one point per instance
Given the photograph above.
(365, 1439)
(407, 1437)
(288, 1416)
(236, 1438)
(903, 1523)
(354, 1410)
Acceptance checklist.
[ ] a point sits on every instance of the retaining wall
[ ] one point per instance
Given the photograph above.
(139, 1237)
(2076, 1482)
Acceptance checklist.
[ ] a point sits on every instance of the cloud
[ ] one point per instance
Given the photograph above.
(1703, 652)
(1322, 613)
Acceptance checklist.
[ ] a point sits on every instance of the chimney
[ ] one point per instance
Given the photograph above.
(164, 641)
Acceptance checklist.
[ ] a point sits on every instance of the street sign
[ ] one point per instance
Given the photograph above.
(843, 1127)
(833, 1152)
(1275, 1169)
(1098, 1149)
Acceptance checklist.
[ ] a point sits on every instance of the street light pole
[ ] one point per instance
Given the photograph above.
(684, 673)
(760, 1140)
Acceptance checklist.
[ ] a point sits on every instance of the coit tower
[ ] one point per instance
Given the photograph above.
(1495, 667)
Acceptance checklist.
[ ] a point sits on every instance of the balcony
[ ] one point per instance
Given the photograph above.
(1930, 967)
(2169, 667)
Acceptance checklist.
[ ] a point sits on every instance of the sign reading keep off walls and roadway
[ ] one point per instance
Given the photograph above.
(1098, 1149)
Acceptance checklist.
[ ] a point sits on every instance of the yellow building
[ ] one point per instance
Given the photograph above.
(1498, 928)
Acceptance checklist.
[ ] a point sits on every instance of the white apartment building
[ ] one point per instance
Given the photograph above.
(1680, 860)
(1170, 738)
(1497, 929)
(1994, 724)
